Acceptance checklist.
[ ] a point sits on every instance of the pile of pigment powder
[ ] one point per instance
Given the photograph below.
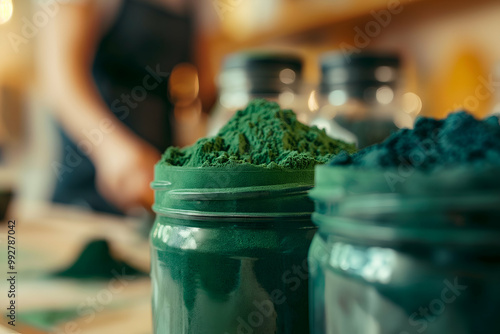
(263, 135)
(458, 140)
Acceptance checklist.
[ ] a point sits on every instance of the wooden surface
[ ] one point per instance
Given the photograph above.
(51, 240)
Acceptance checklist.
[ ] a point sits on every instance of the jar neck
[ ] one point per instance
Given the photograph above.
(363, 203)
(242, 192)
(235, 99)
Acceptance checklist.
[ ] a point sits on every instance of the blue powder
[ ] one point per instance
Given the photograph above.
(459, 140)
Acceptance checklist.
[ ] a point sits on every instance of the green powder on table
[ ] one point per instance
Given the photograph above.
(264, 135)
(96, 262)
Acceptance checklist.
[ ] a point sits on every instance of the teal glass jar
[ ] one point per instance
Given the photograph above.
(229, 250)
(399, 252)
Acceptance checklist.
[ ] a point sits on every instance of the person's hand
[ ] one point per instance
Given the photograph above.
(125, 169)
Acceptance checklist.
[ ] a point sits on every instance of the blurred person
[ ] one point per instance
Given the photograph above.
(105, 66)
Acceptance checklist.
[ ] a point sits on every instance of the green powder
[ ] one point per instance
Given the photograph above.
(96, 262)
(263, 135)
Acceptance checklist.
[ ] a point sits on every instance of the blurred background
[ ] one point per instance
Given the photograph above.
(92, 92)
(448, 49)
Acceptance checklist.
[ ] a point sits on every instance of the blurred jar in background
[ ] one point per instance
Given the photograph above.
(249, 75)
(360, 98)
(496, 103)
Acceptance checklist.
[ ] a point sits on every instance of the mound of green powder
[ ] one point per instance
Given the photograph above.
(264, 135)
(458, 140)
(96, 262)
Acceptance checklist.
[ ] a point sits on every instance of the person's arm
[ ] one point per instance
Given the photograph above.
(124, 162)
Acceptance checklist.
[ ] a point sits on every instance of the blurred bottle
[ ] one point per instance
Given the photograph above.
(360, 97)
(249, 75)
(496, 102)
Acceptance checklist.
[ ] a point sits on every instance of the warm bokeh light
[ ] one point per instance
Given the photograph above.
(385, 95)
(6, 10)
(412, 104)
(312, 103)
(287, 76)
(286, 98)
(385, 74)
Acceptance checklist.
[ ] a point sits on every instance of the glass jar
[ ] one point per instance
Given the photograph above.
(249, 75)
(496, 97)
(229, 250)
(361, 97)
(421, 256)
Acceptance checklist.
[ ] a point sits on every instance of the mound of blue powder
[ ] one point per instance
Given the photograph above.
(458, 140)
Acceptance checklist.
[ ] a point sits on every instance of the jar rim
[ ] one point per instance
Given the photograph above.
(239, 192)
(333, 183)
(380, 204)
(458, 204)
(371, 231)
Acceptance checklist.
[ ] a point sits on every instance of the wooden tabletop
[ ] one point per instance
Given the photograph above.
(51, 240)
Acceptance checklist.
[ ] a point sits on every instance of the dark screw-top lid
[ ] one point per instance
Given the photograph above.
(354, 72)
(261, 72)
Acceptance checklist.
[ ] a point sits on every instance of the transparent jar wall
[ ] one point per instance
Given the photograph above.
(496, 100)
(362, 121)
(394, 289)
(230, 102)
(420, 256)
(361, 97)
(249, 75)
(211, 279)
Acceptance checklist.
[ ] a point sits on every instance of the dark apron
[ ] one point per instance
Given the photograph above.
(130, 72)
